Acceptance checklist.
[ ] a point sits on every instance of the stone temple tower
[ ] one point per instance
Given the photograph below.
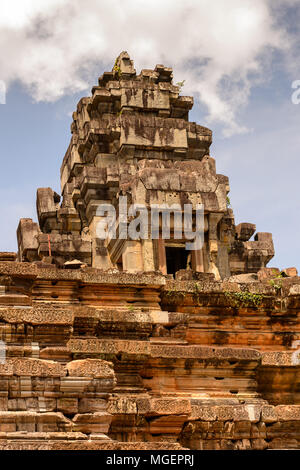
(133, 138)
(136, 343)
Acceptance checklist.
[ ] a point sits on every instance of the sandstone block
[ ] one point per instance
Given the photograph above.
(244, 231)
(67, 405)
(290, 272)
(92, 405)
(88, 423)
(267, 273)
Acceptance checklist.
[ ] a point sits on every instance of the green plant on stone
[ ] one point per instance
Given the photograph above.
(171, 292)
(175, 294)
(197, 288)
(180, 85)
(277, 275)
(244, 299)
(276, 282)
(197, 292)
(117, 70)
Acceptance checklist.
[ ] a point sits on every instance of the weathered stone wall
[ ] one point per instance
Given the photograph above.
(99, 360)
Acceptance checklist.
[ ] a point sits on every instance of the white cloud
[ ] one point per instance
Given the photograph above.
(2, 92)
(219, 47)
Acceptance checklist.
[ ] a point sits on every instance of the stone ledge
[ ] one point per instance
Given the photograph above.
(281, 358)
(105, 346)
(205, 352)
(71, 445)
(32, 367)
(84, 275)
(90, 367)
(38, 315)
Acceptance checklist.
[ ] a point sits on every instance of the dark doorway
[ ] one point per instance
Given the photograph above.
(120, 264)
(176, 259)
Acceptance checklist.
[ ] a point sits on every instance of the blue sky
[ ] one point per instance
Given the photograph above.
(241, 79)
